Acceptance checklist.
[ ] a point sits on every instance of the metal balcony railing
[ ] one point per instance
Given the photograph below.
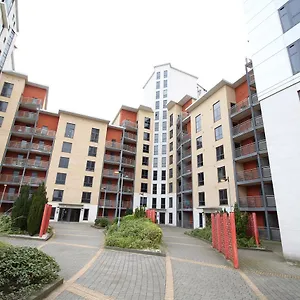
(186, 153)
(186, 169)
(248, 175)
(127, 189)
(186, 137)
(242, 127)
(112, 203)
(109, 187)
(129, 148)
(18, 145)
(31, 101)
(266, 172)
(14, 161)
(262, 145)
(10, 197)
(240, 106)
(10, 178)
(38, 163)
(252, 79)
(45, 132)
(112, 158)
(254, 99)
(251, 201)
(187, 204)
(129, 124)
(42, 148)
(114, 145)
(129, 175)
(130, 136)
(128, 161)
(270, 199)
(259, 121)
(111, 173)
(27, 115)
(32, 180)
(245, 150)
(187, 187)
(22, 129)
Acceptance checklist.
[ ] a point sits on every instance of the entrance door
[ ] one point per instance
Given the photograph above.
(74, 215)
(200, 220)
(161, 218)
(69, 214)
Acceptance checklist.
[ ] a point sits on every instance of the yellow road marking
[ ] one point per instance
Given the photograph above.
(74, 245)
(169, 294)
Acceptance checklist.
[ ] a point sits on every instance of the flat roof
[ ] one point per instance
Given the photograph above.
(82, 116)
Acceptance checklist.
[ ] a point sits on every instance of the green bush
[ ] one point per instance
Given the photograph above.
(2, 244)
(135, 233)
(246, 242)
(102, 222)
(128, 211)
(5, 224)
(129, 217)
(140, 212)
(204, 233)
(24, 270)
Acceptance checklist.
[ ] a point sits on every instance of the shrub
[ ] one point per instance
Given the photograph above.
(5, 224)
(246, 242)
(102, 222)
(140, 212)
(129, 217)
(137, 233)
(39, 199)
(128, 211)
(2, 244)
(204, 233)
(24, 270)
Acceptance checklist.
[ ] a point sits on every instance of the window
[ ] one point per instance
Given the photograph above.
(289, 14)
(217, 111)
(144, 174)
(171, 173)
(170, 187)
(156, 150)
(61, 178)
(201, 197)
(163, 162)
(53, 209)
(144, 187)
(157, 75)
(218, 133)
(165, 113)
(200, 179)
(147, 123)
(155, 162)
(70, 129)
(220, 152)
(163, 188)
(171, 146)
(145, 161)
(88, 181)
(294, 54)
(171, 133)
(7, 89)
(146, 136)
(95, 135)
(170, 218)
(154, 175)
(153, 202)
(171, 202)
(57, 195)
(164, 125)
(163, 203)
(163, 175)
(157, 95)
(171, 159)
(3, 106)
(154, 188)
(164, 137)
(86, 214)
(198, 123)
(66, 147)
(223, 197)
(221, 174)
(200, 160)
(143, 201)
(164, 149)
(63, 162)
(157, 85)
(157, 115)
(171, 120)
(145, 148)
(156, 138)
(90, 166)
(165, 73)
(1, 121)
(165, 93)
(199, 142)
(157, 105)
(156, 126)
(92, 151)
(165, 83)
(86, 197)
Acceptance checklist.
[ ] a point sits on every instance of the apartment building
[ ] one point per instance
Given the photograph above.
(9, 23)
(273, 33)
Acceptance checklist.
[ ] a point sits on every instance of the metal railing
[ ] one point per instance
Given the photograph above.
(10, 197)
(114, 145)
(14, 161)
(129, 175)
(242, 127)
(262, 145)
(129, 148)
(27, 115)
(252, 79)
(10, 178)
(186, 153)
(186, 169)
(42, 148)
(22, 129)
(45, 132)
(259, 121)
(109, 187)
(275, 233)
(112, 203)
(251, 201)
(111, 173)
(186, 137)
(38, 163)
(266, 172)
(240, 106)
(26, 146)
(128, 161)
(130, 136)
(127, 189)
(248, 175)
(112, 158)
(32, 180)
(187, 187)
(18, 145)
(245, 150)
(129, 124)
(187, 204)
(254, 99)
(31, 101)
(31, 130)
(270, 199)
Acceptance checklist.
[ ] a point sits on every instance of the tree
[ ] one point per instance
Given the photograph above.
(21, 208)
(39, 199)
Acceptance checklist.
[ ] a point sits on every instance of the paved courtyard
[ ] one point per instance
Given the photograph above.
(191, 270)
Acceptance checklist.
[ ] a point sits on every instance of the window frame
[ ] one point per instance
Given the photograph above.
(95, 133)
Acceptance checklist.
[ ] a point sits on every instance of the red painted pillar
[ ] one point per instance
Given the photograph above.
(225, 232)
(234, 242)
(255, 229)
(213, 230)
(45, 220)
(219, 246)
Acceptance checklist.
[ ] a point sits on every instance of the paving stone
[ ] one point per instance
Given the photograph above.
(66, 295)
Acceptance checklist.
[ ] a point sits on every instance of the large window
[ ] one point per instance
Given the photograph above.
(170, 202)
(171, 146)
(144, 174)
(155, 149)
(157, 104)
(164, 137)
(145, 148)
(155, 162)
(163, 188)
(57, 195)
(153, 202)
(171, 133)
(171, 173)
(165, 114)
(90, 166)
(146, 136)
(198, 123)
(147, 123)
(201, 197)
(218, 133)
(92, 151)
(3, 106)
(170, 218)
(170, 187)
(294, 54)
(88, 181)
(220, 152)
(164, 149)
(164, 162)
(165, 73)
(163, 203)
(156, 138)
(157, 85)
(200, 179)
(1, 121)
(165, 83)
(145, 161)
(156, 115)
(60, 178)
(217, 111)
(289, 14)
(221, 174)
(63, 162)
(70, 129)
(199, 142)
(163, 174)
(200, 160)
(154, 188)
(66, 147)
(144, 187)
(165, 93)
(171, 159)
(164, 125)
(86, 197)
(156, 126)
(7, 89)
(171, 120)
(157, 75)
(143, 201)
(157, 95)
(223, 197)
(95, 135)
(155, 175)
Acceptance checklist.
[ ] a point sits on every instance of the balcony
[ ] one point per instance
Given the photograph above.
(128, 161)
(251, 79)
(31, 103)
(186, 170)
(270, 201)
(240, 108)
(26, 117)
(35, 181)
(130, 136)
(130, 125)
(266, 173)
(113, 146)
(112, 204)
(185, 117)
(39, 148)
(251, 201)
(37, 164)
(110, 187)
(129, 149)
(10, 179)
(187, 204)
(45, 133)
(186, 154)
(245, 151)
(258, 121)
(18, 146)
(248, 175)
(262, 146)
(254, 99)
(14, 162)
(186, 137)
(112, 159)
(242, 128)
(110, 173)
(9, 198)
(128, 176)
(22, 130)
(187, 188)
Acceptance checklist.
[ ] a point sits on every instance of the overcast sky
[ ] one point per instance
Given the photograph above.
(96, 55)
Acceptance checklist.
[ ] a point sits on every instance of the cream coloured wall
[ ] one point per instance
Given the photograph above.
(13, 104)
(211, 185)
(76, 171)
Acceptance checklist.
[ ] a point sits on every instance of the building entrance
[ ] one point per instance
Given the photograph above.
(69, 214)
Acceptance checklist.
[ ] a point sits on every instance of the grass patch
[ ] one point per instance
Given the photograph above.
(134, 233)
(3, 245)
(204, 233)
